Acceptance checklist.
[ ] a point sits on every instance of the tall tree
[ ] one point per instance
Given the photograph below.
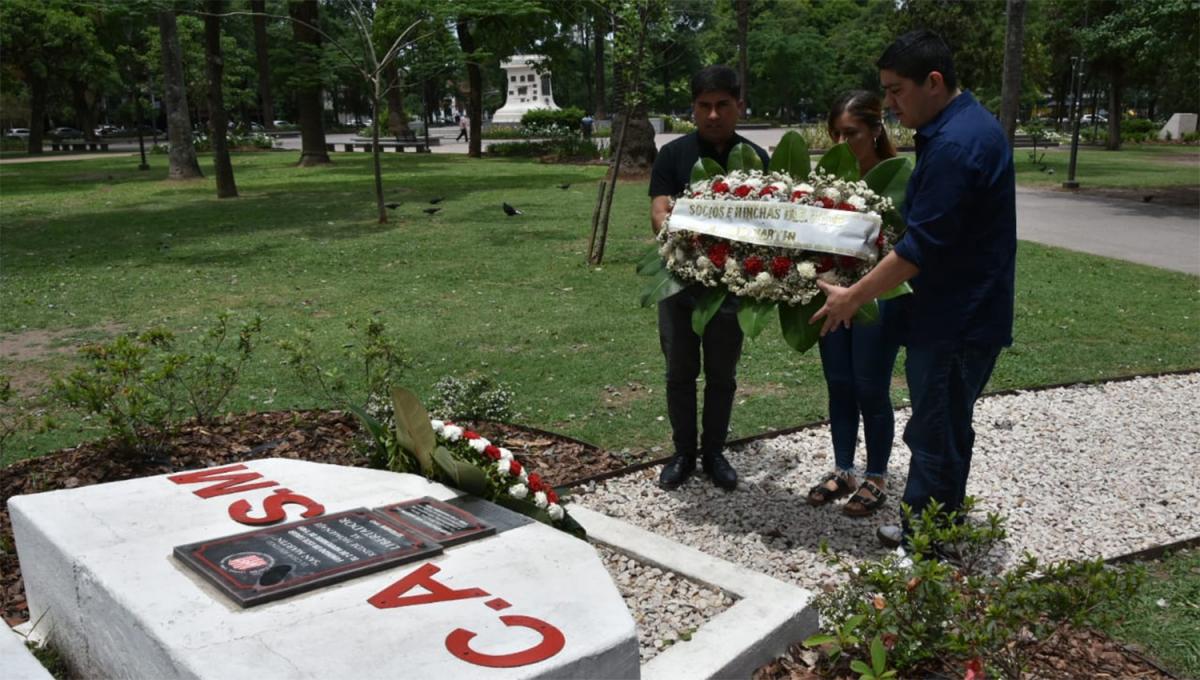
(600, 25)
(309, 104)
(466, 41)
(742, 8)
(181, 154)
(266, 107)
(1010, 93)
(226, 187)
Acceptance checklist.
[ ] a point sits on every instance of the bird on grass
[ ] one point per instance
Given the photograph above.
(391, 206)
(511, 211)
(564, 187)
(435, 201)
(430, 211)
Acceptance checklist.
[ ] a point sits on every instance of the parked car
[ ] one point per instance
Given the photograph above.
(1087, 119)
(107, 130)
(67, 133)
(17, 133)
(283, 124)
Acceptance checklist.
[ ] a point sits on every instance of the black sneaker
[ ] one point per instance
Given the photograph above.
(677, 470)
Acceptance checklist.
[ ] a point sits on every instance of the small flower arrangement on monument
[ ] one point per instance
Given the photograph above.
(768, 237)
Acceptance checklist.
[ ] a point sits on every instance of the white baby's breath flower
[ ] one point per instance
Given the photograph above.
(803, 186)
(832, 194)
(807, 270)
(518, 491)
(763, 277)
(540, 499)
(857, 201)
(703, 263)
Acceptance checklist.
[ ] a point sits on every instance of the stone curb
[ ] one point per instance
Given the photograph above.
(17, 661)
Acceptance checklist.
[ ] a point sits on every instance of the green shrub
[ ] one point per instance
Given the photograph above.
(540, 122)
(141, 386)
(378, 361)
(931, 615)
(519, 149)
(471, 399)
(679, 125)
(1138, 126)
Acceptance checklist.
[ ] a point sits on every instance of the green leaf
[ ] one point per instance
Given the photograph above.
(413, 431)
(664, 285)
(462, 475)
(525, 507)
(903, 289)
(878, 656)
(707, 307)
(818, 640)
(754, 316)
(840, 162)
(376, 428)
(890, 178)
(861, 668)
(706, 168)
(867, 314)
(791, 156)
(650, 263)
(744, 157)
(798, 333)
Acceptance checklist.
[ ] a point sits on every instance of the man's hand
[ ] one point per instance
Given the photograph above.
(660, 209)
(839, 308)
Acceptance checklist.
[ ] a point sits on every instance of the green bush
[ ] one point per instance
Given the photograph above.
(932, 613)
(519, 149)
(378, 361)
(540, 122)
(1138, 126)
(504, 132)
(141, 386)
(679, 125)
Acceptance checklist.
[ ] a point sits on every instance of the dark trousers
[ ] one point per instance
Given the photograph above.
(943, 385)
(722, 347)
(857, 363)
(462, 134)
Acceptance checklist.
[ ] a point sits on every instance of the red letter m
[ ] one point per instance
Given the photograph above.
(226, 480)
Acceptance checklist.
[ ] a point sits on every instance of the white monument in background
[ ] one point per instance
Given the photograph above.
(527, 90)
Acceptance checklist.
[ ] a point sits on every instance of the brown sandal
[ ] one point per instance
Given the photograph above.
(862, 506)
(821, 494)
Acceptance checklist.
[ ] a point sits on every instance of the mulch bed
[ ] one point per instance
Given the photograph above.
(319, 436)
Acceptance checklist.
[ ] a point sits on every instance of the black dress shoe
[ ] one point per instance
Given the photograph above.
(677, 470)
(720, 471)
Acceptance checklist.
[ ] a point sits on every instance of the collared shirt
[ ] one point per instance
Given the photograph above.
(960, 207)
(673, 166)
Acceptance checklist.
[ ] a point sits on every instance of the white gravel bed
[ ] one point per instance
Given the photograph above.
(1079, 472)
(667, 607)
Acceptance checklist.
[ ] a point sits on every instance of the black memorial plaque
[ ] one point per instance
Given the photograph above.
(268, 564)
(439, 521)
(497, 515)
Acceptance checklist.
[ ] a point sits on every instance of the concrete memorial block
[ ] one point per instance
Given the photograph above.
(1179, 125)
(528, 601)
(527, 89)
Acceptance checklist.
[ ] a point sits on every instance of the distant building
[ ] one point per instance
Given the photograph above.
(527, 90)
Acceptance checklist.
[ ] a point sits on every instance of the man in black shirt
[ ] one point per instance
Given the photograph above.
(716, 106)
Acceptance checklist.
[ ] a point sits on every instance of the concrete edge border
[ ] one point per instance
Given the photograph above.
(768, 617)
(17, 660)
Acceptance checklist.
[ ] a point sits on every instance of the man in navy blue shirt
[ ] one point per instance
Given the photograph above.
(958, 251)
(716, 105)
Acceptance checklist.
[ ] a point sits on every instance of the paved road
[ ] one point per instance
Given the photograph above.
(1159, 235)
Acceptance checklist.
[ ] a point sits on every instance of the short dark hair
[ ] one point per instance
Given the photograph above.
(716, 78)
(916, 54)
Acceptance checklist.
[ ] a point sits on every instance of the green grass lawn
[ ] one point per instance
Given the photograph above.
(94, 247)
(1134, 166)
(1164, 616)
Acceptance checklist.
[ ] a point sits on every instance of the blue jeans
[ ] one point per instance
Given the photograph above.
(722, 345)
(944, 384)
(858, 363)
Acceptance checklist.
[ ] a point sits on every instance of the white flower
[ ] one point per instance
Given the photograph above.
(505, 454)
(807, 270)
(763, 278)
(503, 466)
(479, 444)
(828, 276)
(452, 432)
(524, 476)
(703, 262)
(680, 256)
(803, 186)
(857, 201)
(832, 194)
(540, 500)
(437, 425)
(518, 491)
(555, 511)
(731, 265)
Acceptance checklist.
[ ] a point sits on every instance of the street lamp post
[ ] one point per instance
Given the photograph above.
(1076, 86)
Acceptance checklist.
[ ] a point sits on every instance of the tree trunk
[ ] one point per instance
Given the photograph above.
(85, 112)
(1060, 99)
(397, 120)
(599, 30)
(475, 84)
(743, 35)
(375, 165)
(226, 188)
(309, 106)
(182, 154)
(1115, 85)
(266, 107)
(37, 112)
(1014, 43)
(638, 150)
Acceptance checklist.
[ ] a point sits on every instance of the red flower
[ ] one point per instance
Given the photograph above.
(753, 265)
(514, 467)
(697, 193)
(469, 435)
(743, 191)
(535, 482)
(492, 451)
(879, 240)
(846, 206)
(717, 254)
(768, 190)
(797, 195)
(720, 188)
(847, 262)
(889, 640)
(825, 264)
(827, 202)
(780, 267)
(551, 496)
(974, 669)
